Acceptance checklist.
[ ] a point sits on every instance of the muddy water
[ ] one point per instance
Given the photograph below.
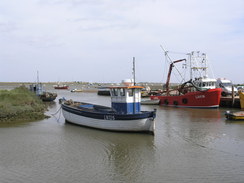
(190, 145)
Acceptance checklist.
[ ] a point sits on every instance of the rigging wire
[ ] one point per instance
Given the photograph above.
(179, 53)
(167, 57)
(211, 69)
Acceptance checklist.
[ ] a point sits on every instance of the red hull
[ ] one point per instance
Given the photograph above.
(199, 99)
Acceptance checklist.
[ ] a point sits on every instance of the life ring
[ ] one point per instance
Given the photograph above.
(166, 102)
(184, 100)
(175, 102)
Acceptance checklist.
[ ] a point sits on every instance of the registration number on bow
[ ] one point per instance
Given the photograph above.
(200, 96)
(109, 117)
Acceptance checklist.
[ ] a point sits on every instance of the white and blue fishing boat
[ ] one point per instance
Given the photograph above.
(124, 114)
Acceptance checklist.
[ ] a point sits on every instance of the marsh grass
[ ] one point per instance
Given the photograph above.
(20, 104)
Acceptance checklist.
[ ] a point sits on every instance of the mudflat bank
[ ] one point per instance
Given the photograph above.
(20, 104)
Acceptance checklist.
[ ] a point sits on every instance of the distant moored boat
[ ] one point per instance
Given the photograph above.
(41, 93)
(61, 86)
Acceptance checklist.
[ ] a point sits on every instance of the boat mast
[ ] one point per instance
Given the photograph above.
(134, 78)
(37, 77)
(134, 71)
(198, 65)
(190, 58)
(204, 61)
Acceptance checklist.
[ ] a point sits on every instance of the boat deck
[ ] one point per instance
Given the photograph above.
(82, 106)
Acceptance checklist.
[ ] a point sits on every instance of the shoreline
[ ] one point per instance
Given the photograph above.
(20, 104)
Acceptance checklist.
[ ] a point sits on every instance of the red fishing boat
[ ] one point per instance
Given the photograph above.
(200, 92)
(61, 86)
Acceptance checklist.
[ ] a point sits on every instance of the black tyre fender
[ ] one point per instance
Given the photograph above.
(184, 101)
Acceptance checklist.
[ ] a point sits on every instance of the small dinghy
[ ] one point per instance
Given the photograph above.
(234, 115)
(150, 102)
(124, 114)
(76, 90)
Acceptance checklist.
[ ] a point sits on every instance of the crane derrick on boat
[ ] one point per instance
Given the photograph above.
(169, 74)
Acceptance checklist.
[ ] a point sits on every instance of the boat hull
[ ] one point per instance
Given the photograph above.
(198, 99)
(61, 87)
(241, 95)
(150, 102)
(48, 97)
(112, 122)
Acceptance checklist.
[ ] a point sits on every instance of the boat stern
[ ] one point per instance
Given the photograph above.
(151, 122)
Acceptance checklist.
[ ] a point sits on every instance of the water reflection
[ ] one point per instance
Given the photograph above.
(123, 156)
(128, 157)
(198, 127)
(194, 115)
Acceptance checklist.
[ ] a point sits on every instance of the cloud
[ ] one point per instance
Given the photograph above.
(94, 34)
(7, 27)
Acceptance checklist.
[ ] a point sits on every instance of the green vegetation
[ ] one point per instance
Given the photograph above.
(20, 104)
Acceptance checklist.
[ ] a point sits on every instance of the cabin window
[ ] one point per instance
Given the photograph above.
(130, 92)
(122, 92)
(115, 92)
(137, 91)
(112, 92)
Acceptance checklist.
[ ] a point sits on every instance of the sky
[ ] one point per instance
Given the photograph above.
(96, 40)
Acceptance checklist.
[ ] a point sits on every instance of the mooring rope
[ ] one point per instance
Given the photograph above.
(58, 111)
